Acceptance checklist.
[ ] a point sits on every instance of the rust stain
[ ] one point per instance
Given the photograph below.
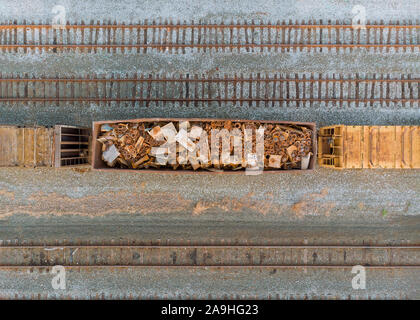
(137, 201)
(311, 205)
(232, 204)
(140, 202)
(99, 205)
(82, 170)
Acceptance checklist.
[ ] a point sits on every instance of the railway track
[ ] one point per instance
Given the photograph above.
(208, 271)
(275, 90)
(235, 271)
(239, 255)
(178, 37)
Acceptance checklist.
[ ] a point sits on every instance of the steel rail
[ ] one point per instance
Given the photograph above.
(210, 255)
(239, 79)
(221, 246)
(213, 26)
(190, 100)
(202, 46)
(207, 267)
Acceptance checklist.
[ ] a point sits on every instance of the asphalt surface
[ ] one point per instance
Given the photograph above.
(45, 204)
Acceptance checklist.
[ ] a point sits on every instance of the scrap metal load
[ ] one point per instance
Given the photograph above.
(207, 144)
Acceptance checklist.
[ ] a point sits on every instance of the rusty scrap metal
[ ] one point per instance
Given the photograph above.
(133, 145)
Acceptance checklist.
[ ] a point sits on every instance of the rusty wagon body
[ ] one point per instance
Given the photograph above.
(99, 164)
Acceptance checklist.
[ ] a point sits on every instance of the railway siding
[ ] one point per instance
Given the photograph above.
(210, 255)
(197, 90)
(178, 36)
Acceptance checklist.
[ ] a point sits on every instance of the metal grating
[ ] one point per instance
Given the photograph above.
(71, 145)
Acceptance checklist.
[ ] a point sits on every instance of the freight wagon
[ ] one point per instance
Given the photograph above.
(345, 147)
(44, 146)
(285, 145)
(338, 146)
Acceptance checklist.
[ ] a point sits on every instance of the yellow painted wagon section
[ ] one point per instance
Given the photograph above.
(396, 147)
(8, 146)
(29, 147)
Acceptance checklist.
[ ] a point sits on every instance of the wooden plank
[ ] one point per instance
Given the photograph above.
(27, 147)
(352, 147)
(365, 144)
(415, 132)
(8, 146)
(373, 146)
(405, 147)
(19, 148)
(57, 146)
(386, 147)
(43, 146)
(398, 150)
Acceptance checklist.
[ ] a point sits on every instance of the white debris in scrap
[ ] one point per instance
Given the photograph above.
(274, 161)
(195, 132)
(106, 127)
(110, 155)
(183, 140)
(305, 161)
(156, 133)
(169, 131)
